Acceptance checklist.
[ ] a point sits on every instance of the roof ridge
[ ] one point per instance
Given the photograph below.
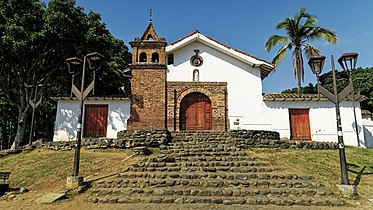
(184, 37)
(220, 43)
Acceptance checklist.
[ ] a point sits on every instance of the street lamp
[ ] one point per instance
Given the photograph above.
(348, 63)
(94, 64)
(316, 66)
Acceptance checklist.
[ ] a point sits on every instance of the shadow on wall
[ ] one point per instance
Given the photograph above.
(368, 136)
(118, 115)
(68, 123)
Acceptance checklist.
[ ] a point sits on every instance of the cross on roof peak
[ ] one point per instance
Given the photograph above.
(151, 13)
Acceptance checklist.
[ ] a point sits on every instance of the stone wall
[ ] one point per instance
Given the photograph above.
(215, 91)
(154, 138)
(251, 138)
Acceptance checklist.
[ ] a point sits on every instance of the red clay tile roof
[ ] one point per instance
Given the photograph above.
(114, 98)
(291, 97)
(296, 97)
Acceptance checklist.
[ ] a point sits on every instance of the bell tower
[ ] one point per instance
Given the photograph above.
(148, 84)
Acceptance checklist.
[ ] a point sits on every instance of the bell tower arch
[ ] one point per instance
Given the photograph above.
(148, 84)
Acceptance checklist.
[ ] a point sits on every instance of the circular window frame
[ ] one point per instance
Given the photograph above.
(195, 57)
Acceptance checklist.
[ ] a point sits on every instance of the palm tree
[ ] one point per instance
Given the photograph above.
(299, 31)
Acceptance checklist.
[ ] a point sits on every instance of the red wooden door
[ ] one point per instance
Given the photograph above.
(95, 120)
(195, 112)
(300, 124)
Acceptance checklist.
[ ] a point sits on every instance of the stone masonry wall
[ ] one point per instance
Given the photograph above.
(217, 93)
(156, 138)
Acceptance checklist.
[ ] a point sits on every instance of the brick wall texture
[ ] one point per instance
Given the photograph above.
(148, 99)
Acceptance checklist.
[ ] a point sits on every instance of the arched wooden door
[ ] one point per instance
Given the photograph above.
(195, 112)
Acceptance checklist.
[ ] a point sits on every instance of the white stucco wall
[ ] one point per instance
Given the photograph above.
(244, 82)
(322, 119)
(67, 117)
(368, 130)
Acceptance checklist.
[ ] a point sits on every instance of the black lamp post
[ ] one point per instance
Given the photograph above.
(316, 65)
(91, 59)
(348, 63)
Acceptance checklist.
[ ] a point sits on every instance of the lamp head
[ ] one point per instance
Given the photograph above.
(316, 64)
(94, 60)
(74, 61)
(95, 56)
(348, 61)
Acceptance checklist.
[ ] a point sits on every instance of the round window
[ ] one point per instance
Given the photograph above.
(196, 61)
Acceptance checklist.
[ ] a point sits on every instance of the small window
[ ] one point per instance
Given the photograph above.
(142, 57)
(195, 75)
(155, 57)
(170, 59)
(150, 37)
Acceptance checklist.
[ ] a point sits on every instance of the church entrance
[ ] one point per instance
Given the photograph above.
(195, 112)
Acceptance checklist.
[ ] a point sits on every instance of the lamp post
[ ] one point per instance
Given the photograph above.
(91, 59)
(348, 63)
(316, 64)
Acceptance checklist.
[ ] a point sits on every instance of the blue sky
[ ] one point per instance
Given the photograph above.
(245, 25)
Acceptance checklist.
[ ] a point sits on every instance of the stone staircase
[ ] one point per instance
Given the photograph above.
(209, 167)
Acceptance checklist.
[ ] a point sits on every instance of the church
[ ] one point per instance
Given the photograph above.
(198, 83)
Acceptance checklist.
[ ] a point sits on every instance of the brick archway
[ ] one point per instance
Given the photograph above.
(195, 112)
(216, 93)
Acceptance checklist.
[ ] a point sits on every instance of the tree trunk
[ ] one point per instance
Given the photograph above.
(21, 128)
(298, 66)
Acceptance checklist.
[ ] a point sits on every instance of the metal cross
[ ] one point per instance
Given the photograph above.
(151, 13)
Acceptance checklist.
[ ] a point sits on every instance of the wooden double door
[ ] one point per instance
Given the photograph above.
(300, 124)
(95, 120)
(195, 112)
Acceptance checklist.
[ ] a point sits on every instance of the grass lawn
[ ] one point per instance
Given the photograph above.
(324, 166)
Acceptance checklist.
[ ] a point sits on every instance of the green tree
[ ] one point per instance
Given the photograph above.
(309, 89)
(35, 40)
(299, 31)
(365, 87)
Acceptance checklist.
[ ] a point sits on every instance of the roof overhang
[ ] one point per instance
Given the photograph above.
(264, 66)
(300, 97)
(98, 98)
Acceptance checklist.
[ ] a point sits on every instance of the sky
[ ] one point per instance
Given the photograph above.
(245, 25)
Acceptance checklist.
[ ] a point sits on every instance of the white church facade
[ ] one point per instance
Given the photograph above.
(199, 83)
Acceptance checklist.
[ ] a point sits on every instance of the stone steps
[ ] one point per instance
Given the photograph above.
(212, 167)
(259, 200)
(202, 150)
(235, 192)
(205, 169)
(211, 176)
(206, 183)
(167, 159)
(208, 154)
(193, 146)
(215, 158)
(210, 143)
(204, 164)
